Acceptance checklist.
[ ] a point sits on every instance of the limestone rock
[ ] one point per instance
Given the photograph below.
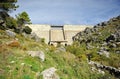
(89, 46)
(34, 36)
(60, 49)
(103, 51)
(87, 30)
(39, 54)
(117, 51)
(114, 37)
(50, 73)
(10, 33)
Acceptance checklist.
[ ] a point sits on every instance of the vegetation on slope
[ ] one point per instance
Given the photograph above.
(102, 43)
(71, 64)
(16, 63)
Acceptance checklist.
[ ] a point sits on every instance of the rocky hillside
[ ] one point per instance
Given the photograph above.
(95, 54)
(101, 43)
(22, 57)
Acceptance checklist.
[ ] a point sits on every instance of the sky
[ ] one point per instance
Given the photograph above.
(61, 12)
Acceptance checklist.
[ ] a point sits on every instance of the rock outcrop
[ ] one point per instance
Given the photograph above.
(103, 40)
(112, 70)
(39, 54)
(50, 73)
(10, 33)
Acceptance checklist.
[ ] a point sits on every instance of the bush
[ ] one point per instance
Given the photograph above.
(27, 30)
(11, 23)
(2, 27)
(17, 30)
(42, 40)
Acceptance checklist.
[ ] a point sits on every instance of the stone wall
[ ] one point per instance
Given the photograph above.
(45, 31)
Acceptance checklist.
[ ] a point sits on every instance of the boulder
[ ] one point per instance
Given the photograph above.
(114, 37)
(117, 51)
(60, 49)
(50, 73)
(10, 33)
(39, 54)
(87, 31)
(34, 37)
(117, 36)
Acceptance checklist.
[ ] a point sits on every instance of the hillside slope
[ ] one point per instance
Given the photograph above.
(27, 57)
(100, 43)
(16, 62)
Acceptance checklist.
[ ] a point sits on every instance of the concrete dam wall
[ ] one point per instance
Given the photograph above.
(57, 34)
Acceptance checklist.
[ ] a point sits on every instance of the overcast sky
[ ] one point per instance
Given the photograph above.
(60, 12)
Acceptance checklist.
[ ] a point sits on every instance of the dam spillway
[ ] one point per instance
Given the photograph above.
(57, 34)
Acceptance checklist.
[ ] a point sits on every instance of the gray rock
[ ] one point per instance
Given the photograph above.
(61, 49)
(89, 46)
(114, 37)
(25, 35)
(104, 44)
(50, 73)
(114, 45)
(35, 37)
(10, 33)
(103, 51)
(1, 21)
(87, 31)
(39, 54)
(118, 51)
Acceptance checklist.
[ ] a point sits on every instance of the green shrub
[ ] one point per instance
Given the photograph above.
(16, 30)
(27, 30)
(11, 23)
(42, 40)
(2, 27)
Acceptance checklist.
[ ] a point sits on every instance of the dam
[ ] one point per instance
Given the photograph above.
(57, 34)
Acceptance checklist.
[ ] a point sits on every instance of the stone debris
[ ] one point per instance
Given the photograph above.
(50, 73)
(39, 54)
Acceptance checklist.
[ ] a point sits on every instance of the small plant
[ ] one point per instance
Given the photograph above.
(27, 30)
(42, 40)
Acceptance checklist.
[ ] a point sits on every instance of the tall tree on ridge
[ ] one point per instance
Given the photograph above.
(8, 5)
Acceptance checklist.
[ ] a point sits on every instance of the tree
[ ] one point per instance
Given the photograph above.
(23, 18)
(8, 5)
(5, 7)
